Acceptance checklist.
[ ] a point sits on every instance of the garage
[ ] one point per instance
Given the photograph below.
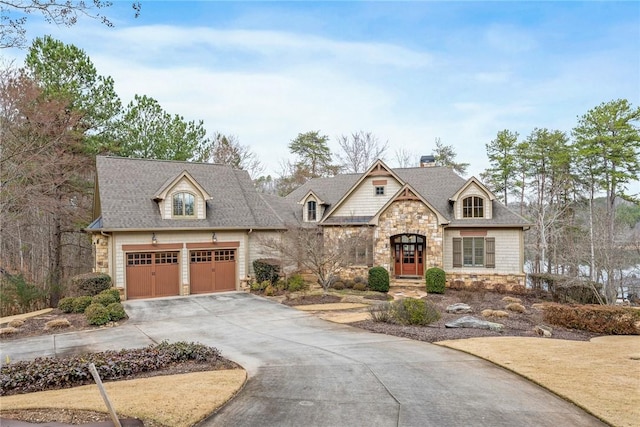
(212, 270)
(152, 274)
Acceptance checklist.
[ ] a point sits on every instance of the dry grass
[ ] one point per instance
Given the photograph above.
(57, 324)
(494, 313)
(601, 376)
(516, 307)
(8, 331)
(175, 400)
(512, 299)
(16, 323)
(331, 306)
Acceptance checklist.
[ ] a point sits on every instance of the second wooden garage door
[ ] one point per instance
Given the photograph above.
(212, 270)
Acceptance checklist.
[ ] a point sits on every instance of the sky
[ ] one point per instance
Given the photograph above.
(409, 72)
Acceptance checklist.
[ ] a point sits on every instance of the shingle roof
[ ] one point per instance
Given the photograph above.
(127, 187)
(435, 184)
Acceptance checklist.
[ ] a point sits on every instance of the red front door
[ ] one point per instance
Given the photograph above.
(408, 254)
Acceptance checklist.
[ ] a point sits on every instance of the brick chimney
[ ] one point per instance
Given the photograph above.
(427, 161)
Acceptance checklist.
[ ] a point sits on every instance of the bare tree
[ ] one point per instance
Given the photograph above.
(312, 250)
(405, 158)
(227, 150)
(360, 150)
(46, 180)
(58, 12)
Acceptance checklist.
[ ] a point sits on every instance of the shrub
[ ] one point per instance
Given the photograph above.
(338, 285)
(296, 283)
(113, 291)
(116, 311)
(45, 373)
(269, 290)
(80, 304)
(259, 286)
(494, 313)
(600, 319)
(348, 284)
(359, 287)
(378, 279)
(436, 280)
(66, 305)
(267, 270)
(19, 296)
(97, 314)
(89, 284)
(359, 279)
(103, 298)
(411, 311)
(381, 312)
(512, 299)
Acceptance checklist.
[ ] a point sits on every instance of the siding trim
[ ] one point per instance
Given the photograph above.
(217, 245)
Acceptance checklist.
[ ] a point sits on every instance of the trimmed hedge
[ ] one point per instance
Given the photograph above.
(89, 284)
(65, 305)
(436, 280)
(267, 270)
(80, 304)
(600, 319)
(378, 279)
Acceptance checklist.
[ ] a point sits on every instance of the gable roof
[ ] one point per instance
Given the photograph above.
(161, 194)
(434, 185)
(378, 168)
(127, 188)
(473, 180)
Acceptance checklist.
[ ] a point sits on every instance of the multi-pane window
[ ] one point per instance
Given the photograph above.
(473, 207)
(311, 210)
(183, 204)
(474, 252)
(380, 191)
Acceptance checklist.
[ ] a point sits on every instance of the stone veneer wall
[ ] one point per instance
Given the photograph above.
(413, 217)
(101, 248)
(487, 281)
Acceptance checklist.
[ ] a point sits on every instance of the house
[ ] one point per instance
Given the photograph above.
(166, 228)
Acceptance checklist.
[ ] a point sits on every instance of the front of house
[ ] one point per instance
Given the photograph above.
(167, 228)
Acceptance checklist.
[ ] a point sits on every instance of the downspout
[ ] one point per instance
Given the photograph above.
(246, 256)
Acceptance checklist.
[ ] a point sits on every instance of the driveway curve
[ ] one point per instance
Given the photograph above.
(307, 371)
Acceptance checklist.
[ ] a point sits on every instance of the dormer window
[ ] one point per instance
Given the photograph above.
(183, 205)
(473, 207)
(379, 191)
(311, 210)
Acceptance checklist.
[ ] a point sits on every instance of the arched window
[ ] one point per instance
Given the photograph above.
(473, 207)
(311, 210)
(183, 205)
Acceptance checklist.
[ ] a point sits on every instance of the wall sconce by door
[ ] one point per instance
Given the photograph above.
(214, 238)
(154, 240)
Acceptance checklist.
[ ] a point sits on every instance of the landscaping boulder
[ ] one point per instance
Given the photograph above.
(459, 308)
(472, 322)
(543, 330)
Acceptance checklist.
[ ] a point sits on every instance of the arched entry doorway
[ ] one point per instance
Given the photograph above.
(408, 254)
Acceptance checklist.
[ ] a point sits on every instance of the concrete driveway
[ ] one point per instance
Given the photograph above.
(306, 371)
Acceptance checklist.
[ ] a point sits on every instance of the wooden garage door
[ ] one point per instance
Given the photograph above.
(212, 270)
(152, 274)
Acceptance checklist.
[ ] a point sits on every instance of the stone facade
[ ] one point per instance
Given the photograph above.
(413, 217)
(486, 281)
(101, 248)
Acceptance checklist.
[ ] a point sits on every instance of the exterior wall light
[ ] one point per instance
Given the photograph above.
(154, 240)
(214, 238)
